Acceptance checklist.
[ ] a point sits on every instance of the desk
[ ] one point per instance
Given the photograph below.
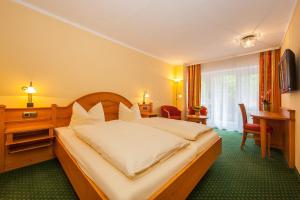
(197, 118)
(284, 132)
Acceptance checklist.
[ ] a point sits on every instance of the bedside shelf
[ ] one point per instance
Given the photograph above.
(29, 120)
(27, 128)
(19, 140)
(29, 139)
(29, 147)
(26, 141)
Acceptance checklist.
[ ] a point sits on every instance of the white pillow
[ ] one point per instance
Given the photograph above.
(136, 109)
(127, 114)
(81, 116)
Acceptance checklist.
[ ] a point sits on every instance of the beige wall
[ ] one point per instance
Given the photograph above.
(65, 62)
(291, 100)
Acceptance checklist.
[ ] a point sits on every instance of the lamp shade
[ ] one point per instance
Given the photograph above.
(177, 80)
(29, 89)
(145, 95)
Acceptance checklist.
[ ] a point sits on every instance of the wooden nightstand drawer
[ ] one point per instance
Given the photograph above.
(148, 114)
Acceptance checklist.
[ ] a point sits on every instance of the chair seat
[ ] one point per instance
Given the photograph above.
(175, 117)
(256, 128)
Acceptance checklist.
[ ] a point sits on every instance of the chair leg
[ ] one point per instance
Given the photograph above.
(243, 140)
(269, 144)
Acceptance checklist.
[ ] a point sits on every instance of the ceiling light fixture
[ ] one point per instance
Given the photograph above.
(248, 40)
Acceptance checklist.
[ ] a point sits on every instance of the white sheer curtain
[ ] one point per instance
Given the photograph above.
(227, 83)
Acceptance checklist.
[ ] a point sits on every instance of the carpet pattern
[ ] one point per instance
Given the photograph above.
(235, 175)
(45, 180)
(244, 175)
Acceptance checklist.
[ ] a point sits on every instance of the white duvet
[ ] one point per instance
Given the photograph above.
(132, 148)
(184, 129)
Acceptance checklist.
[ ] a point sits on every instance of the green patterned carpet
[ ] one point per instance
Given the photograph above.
(235, 175)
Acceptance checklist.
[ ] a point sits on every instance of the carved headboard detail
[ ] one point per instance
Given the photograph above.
(110, 102)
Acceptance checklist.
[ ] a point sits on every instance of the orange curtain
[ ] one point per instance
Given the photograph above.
(194, 85)
(269, 79)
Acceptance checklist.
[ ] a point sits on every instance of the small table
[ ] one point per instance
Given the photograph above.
(287, 127)
(148, 114)
(197, 118)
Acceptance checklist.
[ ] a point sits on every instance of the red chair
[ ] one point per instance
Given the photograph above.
(253, 128)
(170, 112)
(191, 111)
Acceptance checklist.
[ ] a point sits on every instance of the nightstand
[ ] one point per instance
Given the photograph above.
(148, 114)
(26, 136)
(147, 107)
(146, 110)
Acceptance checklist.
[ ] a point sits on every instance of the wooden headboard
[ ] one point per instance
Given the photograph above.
(110, 102)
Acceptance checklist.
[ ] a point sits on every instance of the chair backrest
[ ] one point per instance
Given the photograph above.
(244, 113)
(171, 109)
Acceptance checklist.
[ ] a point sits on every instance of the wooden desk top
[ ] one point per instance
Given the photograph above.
(197, 116)
(269, 115)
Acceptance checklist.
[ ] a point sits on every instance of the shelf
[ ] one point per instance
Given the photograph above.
(23, 120)
(33, 138)
(29, 147)
(27, 128)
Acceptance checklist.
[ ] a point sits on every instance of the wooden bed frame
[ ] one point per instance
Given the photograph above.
(178, 187)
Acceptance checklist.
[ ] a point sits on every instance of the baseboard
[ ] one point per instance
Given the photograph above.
(297, 173)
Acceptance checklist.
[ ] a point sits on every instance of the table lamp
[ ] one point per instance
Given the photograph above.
(145, 95)
(29, 90)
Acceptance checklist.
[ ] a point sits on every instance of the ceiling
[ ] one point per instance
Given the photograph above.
(177, 31)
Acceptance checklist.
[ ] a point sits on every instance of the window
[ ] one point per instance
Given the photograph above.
(227, 83)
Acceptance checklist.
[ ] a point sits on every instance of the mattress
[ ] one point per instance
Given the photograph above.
(116, 185)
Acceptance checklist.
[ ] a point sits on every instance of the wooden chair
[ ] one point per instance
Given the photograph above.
(254, 129)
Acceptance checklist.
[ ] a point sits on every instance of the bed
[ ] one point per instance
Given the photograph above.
(93, 178)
